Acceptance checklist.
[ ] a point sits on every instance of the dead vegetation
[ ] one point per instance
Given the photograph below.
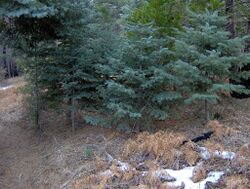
(237, 182)
(161, 146)
(94, 158)
(147, 154)
(10, 97)
(199, 173)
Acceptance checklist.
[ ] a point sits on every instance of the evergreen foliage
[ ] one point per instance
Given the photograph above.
(86, 46)
(65, 59)
(207, 58)
(167, 14)
(202, 5)
(83, 53)
(29, 26)
(142, 87)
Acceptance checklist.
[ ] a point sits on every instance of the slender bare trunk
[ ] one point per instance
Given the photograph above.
(37, 108)
(12, 68)
(4, 58)
(73, 114)
(68, 113)
(248, 32)
(230, 13)
(207, 112)
(9, 69)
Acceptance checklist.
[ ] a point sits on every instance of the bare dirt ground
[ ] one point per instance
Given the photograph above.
(53, 159)
(61, 159)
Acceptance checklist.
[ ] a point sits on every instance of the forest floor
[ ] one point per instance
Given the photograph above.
(94, 157)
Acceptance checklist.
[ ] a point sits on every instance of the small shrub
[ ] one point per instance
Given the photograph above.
(88, 152)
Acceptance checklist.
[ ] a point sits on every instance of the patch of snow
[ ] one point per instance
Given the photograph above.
(175, 178)
(164, 176)
(5, 88)
(144, 173)
(108, 173)
(225, 155)
(184, 176)
(206, 155)
(123, 166)
(181, 176)
(109, 157)
(214, 176)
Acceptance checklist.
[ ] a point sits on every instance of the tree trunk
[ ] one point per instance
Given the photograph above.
(9, 69)
(4, 58)
(68, 113)
(73, 114)
(12, 68)
(207, 113)
(248, 32)
(230, 13)
(37, 103)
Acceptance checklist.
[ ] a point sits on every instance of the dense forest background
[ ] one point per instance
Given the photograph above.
(127, 63)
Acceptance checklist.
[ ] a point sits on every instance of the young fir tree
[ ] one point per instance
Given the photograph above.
(207, 58)
(86, 45)
(202, 5)
(170, 14)
(66, 44)
(141, 87)
(166, 14)
(27, 26)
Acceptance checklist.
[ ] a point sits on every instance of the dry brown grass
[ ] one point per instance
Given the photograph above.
(50, 163)
(163, 149)
(190, 153)
(242, 161)
(160, 146)
(105, 179)
(161, 186)
(100, 164)
(199, 174)
(245, 150)
(213, 145)
(11, 101)
(243, 156)
(11, 97)
(151, 179)
(86, 182)
(220, 131)
(237, 182)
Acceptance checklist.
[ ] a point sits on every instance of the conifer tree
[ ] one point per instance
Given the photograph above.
(86, 45)
(142, 88)
(202, 5)
(67, 44)
(27, 26)
(166, 14)
(205, 58)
